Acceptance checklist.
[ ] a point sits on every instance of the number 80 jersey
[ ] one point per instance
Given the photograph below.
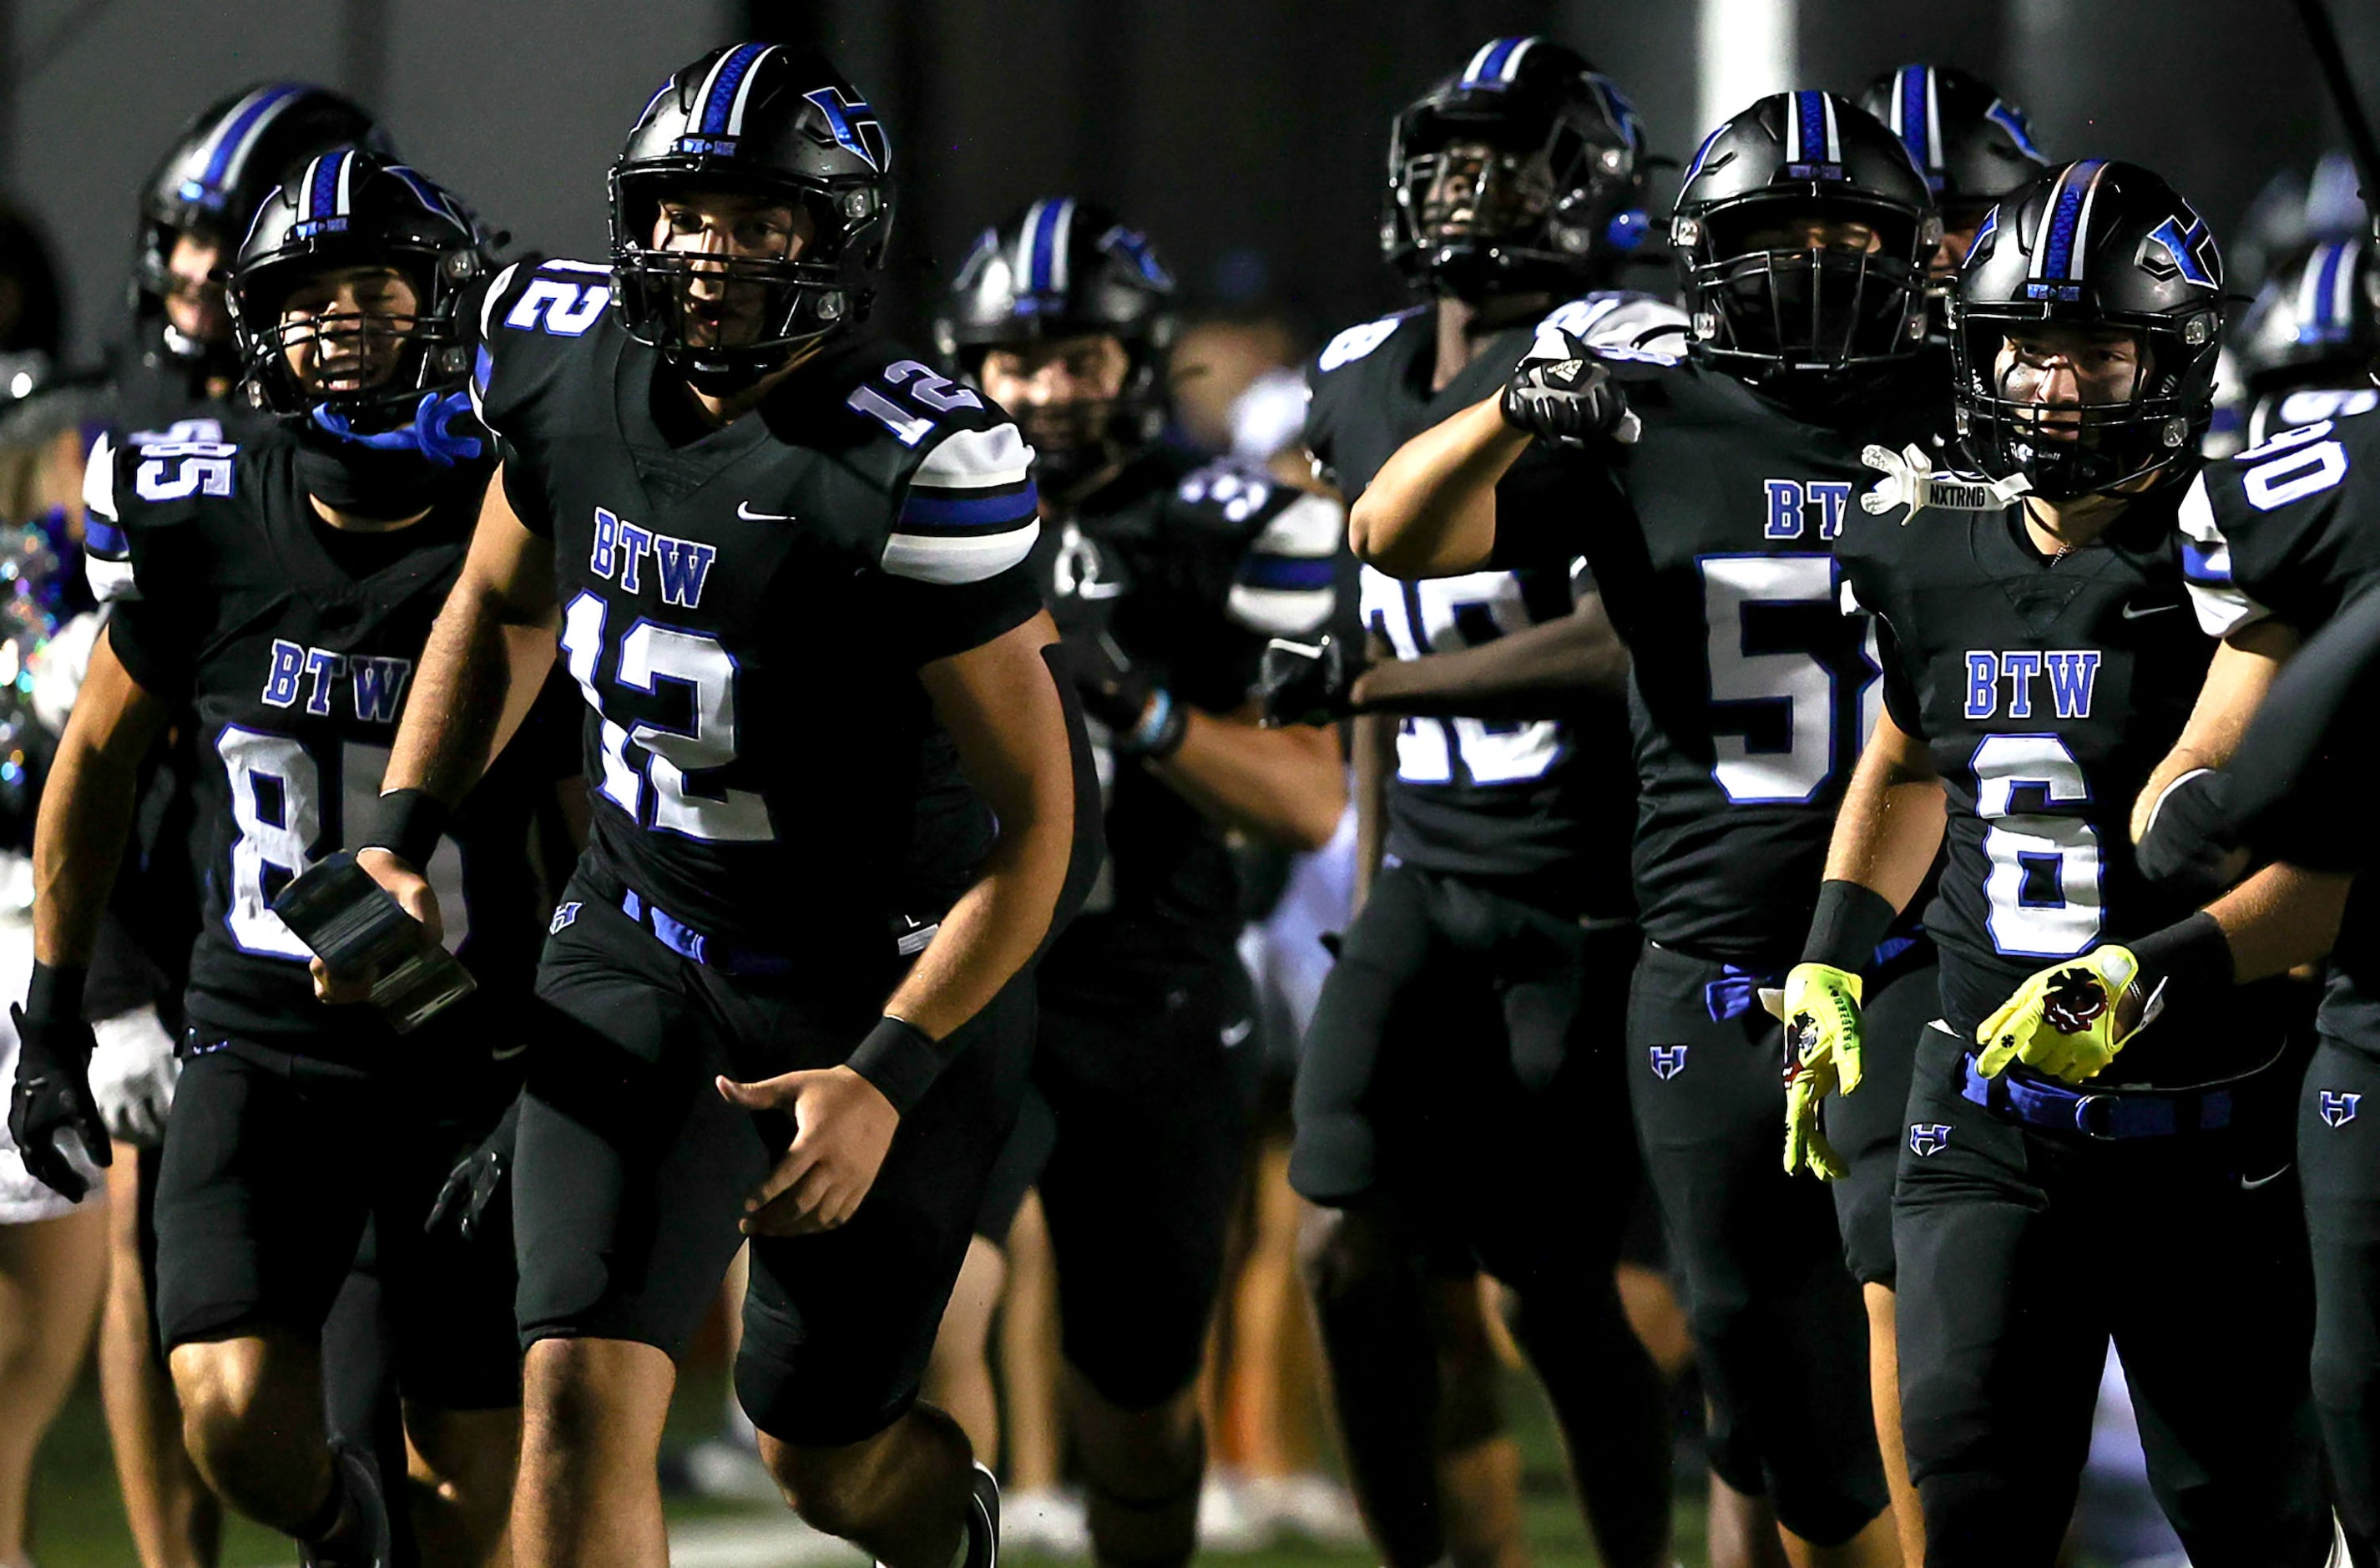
(747, 609)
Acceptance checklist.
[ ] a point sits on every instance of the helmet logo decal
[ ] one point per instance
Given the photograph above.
(1498, 64)
(2010, 118)
(1135, 248)
(1694, 166)
(854, 125)
(1813, 136)
(2065, 233)
(220, 160)
(2187, 247)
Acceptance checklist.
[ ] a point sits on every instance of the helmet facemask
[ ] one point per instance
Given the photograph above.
(1078, 436)
(727, 315)
(1807, 285)
(2081, 407)
(361, 357)
(1478, 210)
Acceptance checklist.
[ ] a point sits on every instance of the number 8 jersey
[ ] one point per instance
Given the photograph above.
(293, 646)
(747, 609)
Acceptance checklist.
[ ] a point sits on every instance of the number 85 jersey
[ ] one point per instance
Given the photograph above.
(746, 610)
(294, 645)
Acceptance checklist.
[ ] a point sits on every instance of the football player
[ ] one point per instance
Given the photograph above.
(2037, 654)
(1973, 148)
(1490, 946)
(172, 378)
(786, 563)
(2284, 546)
(2304, 350)
(1165, 576)
(281, 588)
(1706, 493)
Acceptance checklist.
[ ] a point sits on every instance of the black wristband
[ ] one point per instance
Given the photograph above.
(899, 1059)
(1160, 731)
(55, 991)
(2191, 959)
(1849, 923)
(409, 825)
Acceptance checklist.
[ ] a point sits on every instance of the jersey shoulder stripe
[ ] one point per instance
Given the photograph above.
(1288, 579)
(133, 495)
(970, 510)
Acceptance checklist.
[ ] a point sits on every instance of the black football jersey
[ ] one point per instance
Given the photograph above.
(1543, 802)
(1188, 567)
(2045, 691)
(2291, 530)
(747, 610)
(1712, 540)
(293, 648)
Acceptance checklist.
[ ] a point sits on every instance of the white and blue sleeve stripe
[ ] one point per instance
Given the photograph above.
(971, 511)
(2221, 605)
(1287, 584)
(106, 549)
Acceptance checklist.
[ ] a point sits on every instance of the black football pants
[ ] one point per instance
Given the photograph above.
(2339, 1155)
(2022, 1253)
(1776, 1318)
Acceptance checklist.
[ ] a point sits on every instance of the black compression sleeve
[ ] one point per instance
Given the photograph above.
(2191, 958)
(1849, 923)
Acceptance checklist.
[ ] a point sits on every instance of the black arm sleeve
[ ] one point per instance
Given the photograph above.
(1548, 505)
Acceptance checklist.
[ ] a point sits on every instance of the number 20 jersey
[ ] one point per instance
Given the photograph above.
(746, 612)
(296, 668)
(1712, 539)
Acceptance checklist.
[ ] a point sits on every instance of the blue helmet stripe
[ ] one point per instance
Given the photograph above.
(722, 103)
(323, 191)
(1491, 69)
(1694, 166)
(2060, 259)
(1810, 118)
(2326, 289)
(1050, 219)
(1912, 114)
(229, 140)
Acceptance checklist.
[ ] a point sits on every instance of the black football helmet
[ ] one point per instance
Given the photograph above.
(2317, 320)
(1972, 145)
(2092, 244)
(1061, 268)
(769, 119)
(224, 166)
(351, 207)
(1563, 202)
(1764, 309)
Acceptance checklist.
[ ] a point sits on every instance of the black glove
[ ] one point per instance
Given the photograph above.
(53, 1091)
(475, 1197)
(1307, 683)
(1561, 392)
(2188, 849)
(1141, 716)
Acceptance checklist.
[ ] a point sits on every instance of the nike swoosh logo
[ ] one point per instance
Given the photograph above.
(743, 510)
(506, 1053)
(2134, 612)
(1238, 1032)
(2247, 1185)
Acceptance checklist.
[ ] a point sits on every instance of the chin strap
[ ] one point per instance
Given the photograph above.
(432, 432)
(1909, 481)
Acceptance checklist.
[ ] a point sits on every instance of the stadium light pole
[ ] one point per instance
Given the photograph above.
(1744, 51)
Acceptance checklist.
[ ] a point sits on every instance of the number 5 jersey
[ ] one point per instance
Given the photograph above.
(747, 609)
(292, 647)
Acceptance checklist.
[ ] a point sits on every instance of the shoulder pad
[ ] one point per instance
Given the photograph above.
(2222, 606)
(1357, 341)
(1286, 582)
(527, 305)
(1620, 324)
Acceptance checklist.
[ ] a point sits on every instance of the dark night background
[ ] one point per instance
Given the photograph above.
(1245, 136)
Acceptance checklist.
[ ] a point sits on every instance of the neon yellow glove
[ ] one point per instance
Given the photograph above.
(2069, 1020)
(1820, 1007)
